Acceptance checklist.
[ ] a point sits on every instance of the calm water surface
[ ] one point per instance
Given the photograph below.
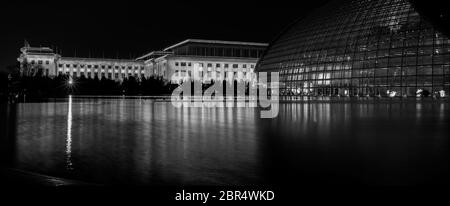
(142, 142)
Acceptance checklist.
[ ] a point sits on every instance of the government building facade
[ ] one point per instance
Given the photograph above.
(361, 48)
(192, 59)
(205, 60)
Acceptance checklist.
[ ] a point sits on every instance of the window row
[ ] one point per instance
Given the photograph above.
(96, 70)
(210, 74)
(216, 65)
(95, 66)
(101, 74)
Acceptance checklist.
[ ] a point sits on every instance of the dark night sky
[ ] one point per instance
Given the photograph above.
(129, 28)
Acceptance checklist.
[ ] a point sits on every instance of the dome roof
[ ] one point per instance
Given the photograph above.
(360, 47)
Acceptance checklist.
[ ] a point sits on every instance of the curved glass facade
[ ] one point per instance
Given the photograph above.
(360, 48)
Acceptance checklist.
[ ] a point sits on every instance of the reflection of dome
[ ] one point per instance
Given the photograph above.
(360, 47)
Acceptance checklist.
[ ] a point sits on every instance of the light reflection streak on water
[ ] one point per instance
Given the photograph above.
(152, 143)
(69, 136)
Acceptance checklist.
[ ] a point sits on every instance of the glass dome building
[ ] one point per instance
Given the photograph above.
(360, 48)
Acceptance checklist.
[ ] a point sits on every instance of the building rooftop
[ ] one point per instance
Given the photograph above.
(154, 54)
(98, 59)
(216, 42)
(37, 50)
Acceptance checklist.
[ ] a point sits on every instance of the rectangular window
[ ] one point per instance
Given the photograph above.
(244, 66)
(40, 62)
(189, 64)
(176, 63)
(47, 62)
(217, 65)
(183, 64)
(226, 65)
(235, 66)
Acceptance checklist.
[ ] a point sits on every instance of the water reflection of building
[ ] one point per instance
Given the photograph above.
(200, 59)
(353, 47)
